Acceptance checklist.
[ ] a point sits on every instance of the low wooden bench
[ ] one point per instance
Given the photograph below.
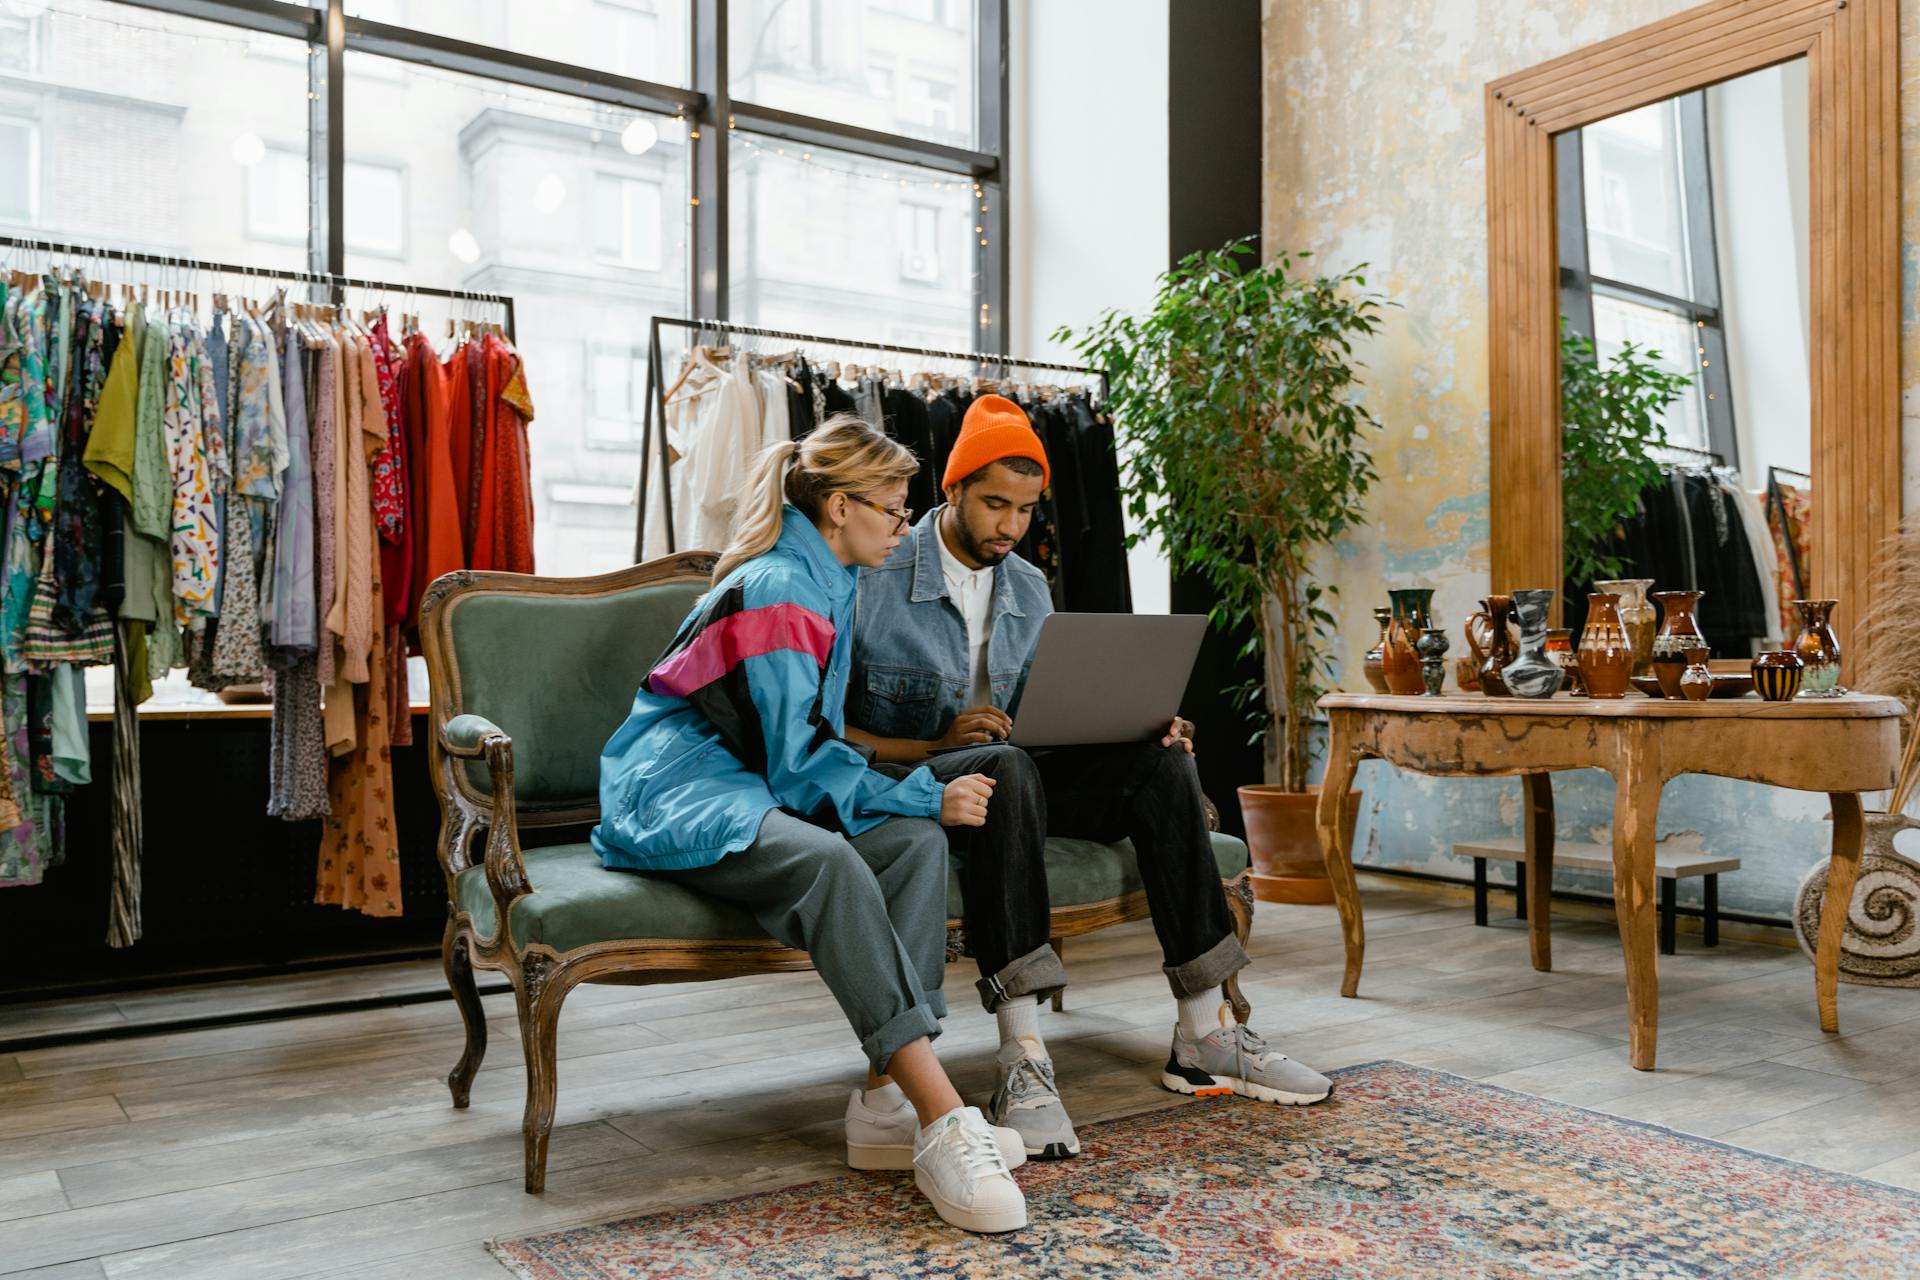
(1670, 865)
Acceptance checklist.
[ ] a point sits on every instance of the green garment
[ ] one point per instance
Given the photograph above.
(71, 760)
(110, 449)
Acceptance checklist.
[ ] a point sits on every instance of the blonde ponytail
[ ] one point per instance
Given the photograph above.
(843, 455)
(756, 519)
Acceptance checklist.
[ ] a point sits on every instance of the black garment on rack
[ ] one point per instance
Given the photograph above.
(799, 382)
(1101, 584)
(1053, 420)
(906, 418)
(1041, 546)
(78, 529)
(838, 398)
(943, 428)
(113, 517)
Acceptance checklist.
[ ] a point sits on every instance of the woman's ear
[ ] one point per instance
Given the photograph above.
(836, 508)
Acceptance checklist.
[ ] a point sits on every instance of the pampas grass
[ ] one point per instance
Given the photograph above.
(1887, 643)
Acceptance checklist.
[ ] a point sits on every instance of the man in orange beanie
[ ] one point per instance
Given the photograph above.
(945, 636)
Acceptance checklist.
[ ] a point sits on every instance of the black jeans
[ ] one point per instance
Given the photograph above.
(1141, 792)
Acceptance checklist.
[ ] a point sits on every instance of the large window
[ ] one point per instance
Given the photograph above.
(568, 154)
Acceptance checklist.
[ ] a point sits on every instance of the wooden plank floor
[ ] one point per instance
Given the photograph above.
(326, 1146)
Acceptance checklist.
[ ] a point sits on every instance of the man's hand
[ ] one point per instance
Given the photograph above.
(964, 803)
(1180, 731)
(976, 725)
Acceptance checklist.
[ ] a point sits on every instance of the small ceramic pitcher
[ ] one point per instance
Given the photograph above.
(1696, 682)
(1498, 644)
(1401, 660)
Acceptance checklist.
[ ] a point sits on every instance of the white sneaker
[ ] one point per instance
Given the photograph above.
(881, 1139)
(957, 1165)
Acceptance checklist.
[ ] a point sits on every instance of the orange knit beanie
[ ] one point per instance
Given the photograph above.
(994, 428)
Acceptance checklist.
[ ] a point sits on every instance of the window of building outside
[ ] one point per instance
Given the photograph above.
(561, 203)
(119, 102)
(19, 38)
(645, 39)
(841, 59)
(1637, 218)
(849, 246)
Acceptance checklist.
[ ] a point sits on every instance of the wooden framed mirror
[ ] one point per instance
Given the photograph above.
(1850, 50)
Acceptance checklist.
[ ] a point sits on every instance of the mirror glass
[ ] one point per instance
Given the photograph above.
(1683, 248)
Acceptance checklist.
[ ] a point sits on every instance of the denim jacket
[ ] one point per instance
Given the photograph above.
(910, 674)
(742, 715)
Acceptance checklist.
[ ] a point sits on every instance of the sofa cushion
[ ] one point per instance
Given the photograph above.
(576, 901)
(558, 674)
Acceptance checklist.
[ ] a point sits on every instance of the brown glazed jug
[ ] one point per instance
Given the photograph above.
(1606, 655)
(1374, 667)
(1400, 661)
(1679, 631)
(1696, 682)
(1819, 649)
(1498, 644)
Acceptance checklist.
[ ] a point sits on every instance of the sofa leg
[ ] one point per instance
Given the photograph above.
(539, 1035)
(458, 962)
(1059, 946)
(1239, 891)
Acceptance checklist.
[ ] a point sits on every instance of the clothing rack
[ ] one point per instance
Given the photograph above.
(656, 392)
(1776, 502)
(339, 283)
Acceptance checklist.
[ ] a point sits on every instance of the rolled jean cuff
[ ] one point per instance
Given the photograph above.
(1038, 973)
(1208, 969)
(899, 1031)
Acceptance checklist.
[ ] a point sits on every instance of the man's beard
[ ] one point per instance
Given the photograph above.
(981, 556)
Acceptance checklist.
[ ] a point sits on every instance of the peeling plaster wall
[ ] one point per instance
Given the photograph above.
(1375, 153)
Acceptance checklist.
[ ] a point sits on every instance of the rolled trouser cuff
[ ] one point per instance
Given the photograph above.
(1038, 973)
(898, 1032)
(1208, 969)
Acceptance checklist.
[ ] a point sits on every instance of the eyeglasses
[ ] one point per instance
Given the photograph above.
(903, 517)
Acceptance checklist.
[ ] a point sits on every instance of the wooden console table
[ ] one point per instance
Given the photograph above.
(1841, 746)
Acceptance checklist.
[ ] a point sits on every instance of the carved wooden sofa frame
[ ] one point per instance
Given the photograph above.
(491, 817)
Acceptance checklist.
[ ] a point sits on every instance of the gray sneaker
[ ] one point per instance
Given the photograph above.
(1235, 1060)
(1025, 1100)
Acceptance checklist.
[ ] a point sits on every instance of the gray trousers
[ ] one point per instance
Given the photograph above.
(871, 911)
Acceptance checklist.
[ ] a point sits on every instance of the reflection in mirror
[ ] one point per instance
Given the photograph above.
(1686, 407)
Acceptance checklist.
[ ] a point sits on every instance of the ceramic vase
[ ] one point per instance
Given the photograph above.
(1432, 645)
(1374, 667)
(1777, 674)
(1466, 669)
(1401, 660)
(1606, 658)
(1638, 616)
(1696, 682)
(1679, 631)
(1560, 649)
(1498, 645)
(1819, 649)
(1531, 673)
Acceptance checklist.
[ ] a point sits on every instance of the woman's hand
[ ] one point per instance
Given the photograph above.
(964, 803)
(977, 725)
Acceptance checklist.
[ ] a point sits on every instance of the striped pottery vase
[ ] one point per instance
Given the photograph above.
(1777, 674)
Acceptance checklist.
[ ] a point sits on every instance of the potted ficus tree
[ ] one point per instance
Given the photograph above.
(1245, 453)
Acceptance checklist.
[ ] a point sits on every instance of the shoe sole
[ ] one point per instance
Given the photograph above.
(1227, 1087)
(1055, 1150)
(969, 1219)
(875, 1158)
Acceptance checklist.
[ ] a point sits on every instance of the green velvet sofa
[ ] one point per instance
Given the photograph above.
(530, 676)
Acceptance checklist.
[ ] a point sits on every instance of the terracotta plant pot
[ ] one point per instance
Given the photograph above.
(1285, 847)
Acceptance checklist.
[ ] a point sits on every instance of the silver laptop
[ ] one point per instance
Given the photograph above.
(1107, 677)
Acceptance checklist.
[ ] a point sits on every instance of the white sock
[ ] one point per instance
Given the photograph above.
(1200, 1015)
(888, 1097)
(1020, 1020)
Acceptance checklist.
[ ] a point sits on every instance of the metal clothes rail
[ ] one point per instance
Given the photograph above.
(656, 394)
(107, 256)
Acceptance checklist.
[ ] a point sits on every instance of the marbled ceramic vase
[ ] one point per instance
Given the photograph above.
(1531, 673)
(1819, 649)
(1637, 616)
(1401, 660)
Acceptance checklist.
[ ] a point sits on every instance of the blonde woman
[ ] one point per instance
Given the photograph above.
(732, 776)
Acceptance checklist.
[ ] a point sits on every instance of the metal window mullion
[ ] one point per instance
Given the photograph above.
(1703, 254)
(713, 122)
(269, 17)
(992, 281)
(1570, 193)
(334, 218)
(817, 131)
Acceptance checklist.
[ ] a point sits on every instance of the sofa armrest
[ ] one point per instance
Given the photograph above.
(470, 737)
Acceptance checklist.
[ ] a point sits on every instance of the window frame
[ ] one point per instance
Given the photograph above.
(707, 104)
(1579, 284)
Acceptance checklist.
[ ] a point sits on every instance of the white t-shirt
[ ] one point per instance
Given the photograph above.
(972, 593)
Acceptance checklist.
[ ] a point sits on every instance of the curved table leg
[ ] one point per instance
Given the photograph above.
(1842, 871)
(1636, 808)
(1341, 763)
(1539, 835)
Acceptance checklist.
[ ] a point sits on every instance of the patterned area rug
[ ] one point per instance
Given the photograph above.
(1404, 1172)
